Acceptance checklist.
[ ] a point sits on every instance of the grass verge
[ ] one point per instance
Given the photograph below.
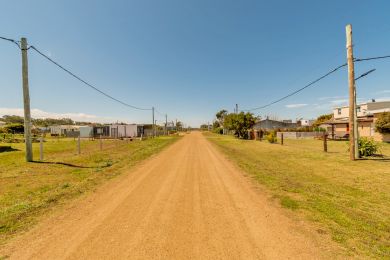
(28, 190)
(349, 200)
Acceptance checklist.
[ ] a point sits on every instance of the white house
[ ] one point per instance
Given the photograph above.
(119, 131)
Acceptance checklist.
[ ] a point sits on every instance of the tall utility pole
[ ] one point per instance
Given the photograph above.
(352, 100)
(166, 124)
(26, 101)
(153, 128)
(236, 108)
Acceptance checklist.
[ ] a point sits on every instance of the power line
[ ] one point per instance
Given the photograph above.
(86, 83)
(298, 90)
(365, 74)
(373, 58)
(11, 40)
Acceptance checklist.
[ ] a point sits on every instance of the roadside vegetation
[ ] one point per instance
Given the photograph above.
(28, 190)
(348, 200)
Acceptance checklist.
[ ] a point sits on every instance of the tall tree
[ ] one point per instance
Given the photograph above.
(239, 123)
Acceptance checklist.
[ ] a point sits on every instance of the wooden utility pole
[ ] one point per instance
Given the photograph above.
(153, 128)
(281, 139)
(78, 145)
(166, 124)
(41, 148)
(26, 101)
(351, 80)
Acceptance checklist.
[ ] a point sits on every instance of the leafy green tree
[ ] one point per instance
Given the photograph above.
(382, 124)
(15, 128)
(13, 119)
(221, 116)
(179, 125)
(321, 119)
(239, 123)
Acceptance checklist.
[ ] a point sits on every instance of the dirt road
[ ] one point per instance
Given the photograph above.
(188, 202)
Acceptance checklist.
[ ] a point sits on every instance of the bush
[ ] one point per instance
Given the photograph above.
(367, 146)
(16, 128)
(382, 124)
(271, 137)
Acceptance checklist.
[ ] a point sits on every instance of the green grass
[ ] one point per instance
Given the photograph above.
(28, 190)
(348, 200)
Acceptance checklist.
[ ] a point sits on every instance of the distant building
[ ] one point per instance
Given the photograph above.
(307, 122)
(123, 130)
(268, 124)
(367, 114)
(64, 130)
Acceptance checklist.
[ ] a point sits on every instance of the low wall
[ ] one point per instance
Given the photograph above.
(299, 135)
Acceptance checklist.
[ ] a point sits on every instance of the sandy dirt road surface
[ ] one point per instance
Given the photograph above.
(188, 202)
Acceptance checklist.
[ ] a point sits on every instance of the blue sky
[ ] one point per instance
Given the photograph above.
(190, 58)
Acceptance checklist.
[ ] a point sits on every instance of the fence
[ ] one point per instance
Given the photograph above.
(299, 135)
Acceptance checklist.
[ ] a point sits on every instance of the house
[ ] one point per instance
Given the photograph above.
(144, 130)
(268, 124)
(123, 130)
(101, 131)
(367, 114)
(64, 130)
(306, 122)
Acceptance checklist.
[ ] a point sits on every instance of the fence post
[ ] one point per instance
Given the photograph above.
(78, 145)
(101, 143)
(41, 148)
(281, 139)
(325, 138)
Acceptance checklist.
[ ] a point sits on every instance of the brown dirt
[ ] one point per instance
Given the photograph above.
(188, 202)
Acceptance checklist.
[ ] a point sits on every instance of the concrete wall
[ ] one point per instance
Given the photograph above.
(298, 135)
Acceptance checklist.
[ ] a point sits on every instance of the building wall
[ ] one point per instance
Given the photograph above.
(272, 124)
(119, 131)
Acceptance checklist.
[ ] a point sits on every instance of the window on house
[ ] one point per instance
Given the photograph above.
(339, 111)
(358, 109)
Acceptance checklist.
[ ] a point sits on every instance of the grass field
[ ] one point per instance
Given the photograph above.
(28, 190)
(348, 200)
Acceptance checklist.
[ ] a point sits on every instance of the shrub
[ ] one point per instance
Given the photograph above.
(367, 146)
(271, 137)
(382, 124)
(16, 128)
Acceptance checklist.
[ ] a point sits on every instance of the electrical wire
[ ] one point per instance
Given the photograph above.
(11, 40)
(373, 58)
(365, 74)
(85, 82)
(298, 90)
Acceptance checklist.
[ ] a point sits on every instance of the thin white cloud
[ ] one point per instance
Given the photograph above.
(334, 97)
(383, 91)
(339, 101)
(296, 105)
(38, 113)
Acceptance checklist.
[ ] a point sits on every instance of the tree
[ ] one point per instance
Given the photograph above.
(13, 119)
(239, 123)
(179, 125)
(382, 124)
(221, 116)
(321, 119)
(15, 128)
(204, 127)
